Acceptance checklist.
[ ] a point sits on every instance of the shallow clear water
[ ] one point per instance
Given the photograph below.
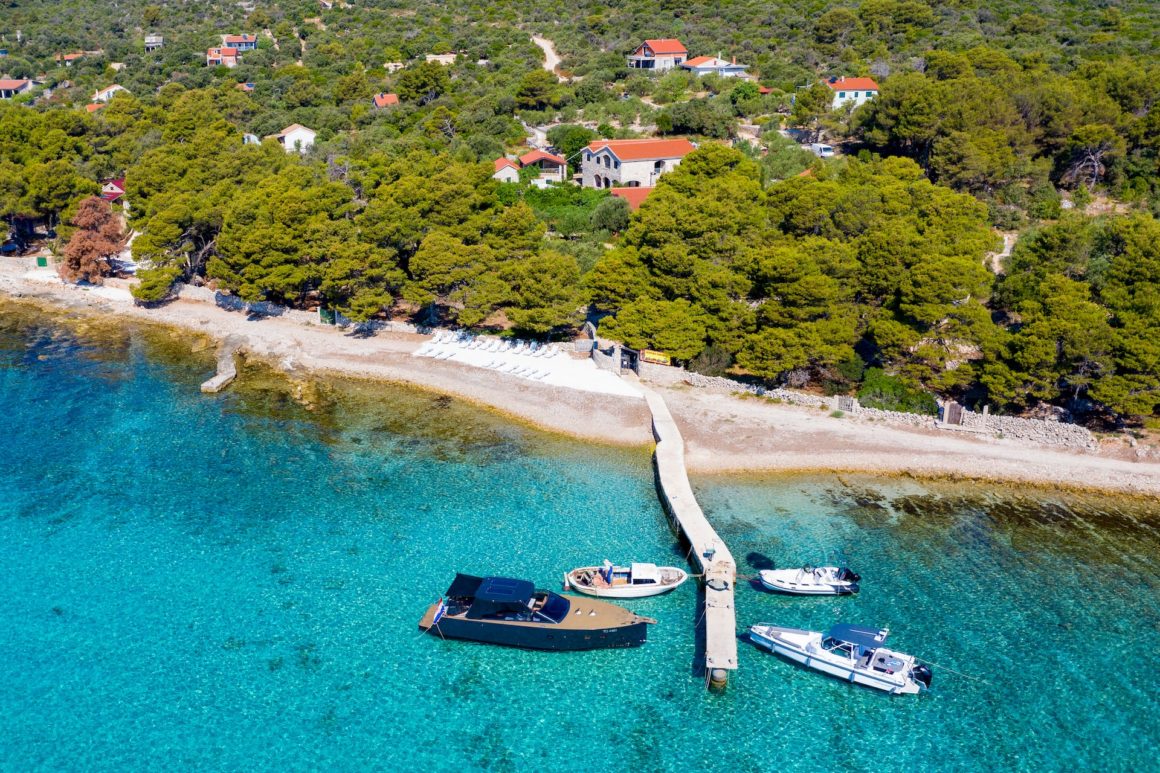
(234, 582)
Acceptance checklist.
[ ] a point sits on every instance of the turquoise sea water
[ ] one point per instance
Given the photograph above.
(233, 582)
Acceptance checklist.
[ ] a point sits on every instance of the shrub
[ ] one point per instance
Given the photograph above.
(890, 393)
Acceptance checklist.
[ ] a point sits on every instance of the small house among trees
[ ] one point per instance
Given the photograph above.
(715, 65)
(295, 138)
(10, 87)
(106, 94)
(658, 55)
(243, 42)
(859, 91)
(216, 57)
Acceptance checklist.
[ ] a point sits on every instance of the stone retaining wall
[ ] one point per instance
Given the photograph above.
(1051, 433)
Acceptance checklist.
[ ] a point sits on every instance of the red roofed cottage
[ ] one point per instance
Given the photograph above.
(658, 54)
(856, 90)
(385, 100)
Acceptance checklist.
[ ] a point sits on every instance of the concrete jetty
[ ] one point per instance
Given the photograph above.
(227, 369)
(713, 557)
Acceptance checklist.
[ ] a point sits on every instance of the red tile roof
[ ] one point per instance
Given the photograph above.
(539, 155)
(94, 107)
(240, 38)
(852, 84)
(644, 150)
(666, 46)
(505, 163)
(11, 84)
(764, 90)
(385, 100)
(634, 196)
(699, 60)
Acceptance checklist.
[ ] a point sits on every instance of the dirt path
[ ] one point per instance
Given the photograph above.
(551, 58)
(997, 258)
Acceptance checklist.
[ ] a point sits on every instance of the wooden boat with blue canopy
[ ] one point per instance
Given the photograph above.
(502, 610)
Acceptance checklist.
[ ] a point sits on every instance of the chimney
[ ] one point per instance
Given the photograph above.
(734, 60)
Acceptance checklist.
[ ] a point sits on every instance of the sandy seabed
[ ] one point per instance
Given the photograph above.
(723, 432)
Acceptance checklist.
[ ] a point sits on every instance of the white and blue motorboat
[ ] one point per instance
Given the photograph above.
(811, 580)
(853, 653)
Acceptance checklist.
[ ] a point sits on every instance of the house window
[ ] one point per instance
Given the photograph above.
(587, 155)
(615, 164)
(841, 95)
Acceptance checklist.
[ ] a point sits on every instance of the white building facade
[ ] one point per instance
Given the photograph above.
(858, 91)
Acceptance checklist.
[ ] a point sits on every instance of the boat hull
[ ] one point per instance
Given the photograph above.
(628, 631)
(624, 591)
(800, 654)
(787, 582)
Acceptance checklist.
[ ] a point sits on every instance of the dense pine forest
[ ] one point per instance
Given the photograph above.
(878, 271)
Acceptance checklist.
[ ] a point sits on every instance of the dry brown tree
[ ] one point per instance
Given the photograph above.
(97, 238)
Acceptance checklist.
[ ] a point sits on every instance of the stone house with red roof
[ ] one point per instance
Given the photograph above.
(631, 163)
(658, 55)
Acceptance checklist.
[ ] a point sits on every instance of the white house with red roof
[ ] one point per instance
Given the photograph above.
(225, 55)
(631, 163)
(856, 90)
(715, 65)
(506, 171)
(658, 55)
(10, 87)
(241, 42)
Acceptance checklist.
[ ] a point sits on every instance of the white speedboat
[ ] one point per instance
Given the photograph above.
(848, 652)
(811, 580)
(634, 581)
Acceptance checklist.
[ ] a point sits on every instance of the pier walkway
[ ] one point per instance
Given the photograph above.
(713, 557)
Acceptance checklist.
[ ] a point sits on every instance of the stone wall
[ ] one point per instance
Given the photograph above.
(1055, 433)
(607, 359)
(1051, 433)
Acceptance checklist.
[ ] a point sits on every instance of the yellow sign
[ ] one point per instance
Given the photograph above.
(656, 358)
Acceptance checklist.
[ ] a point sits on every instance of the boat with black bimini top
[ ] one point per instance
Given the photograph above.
(502, 610)
(849, 652)
(635, 581)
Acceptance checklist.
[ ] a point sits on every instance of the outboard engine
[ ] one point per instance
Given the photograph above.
(921, 673)
(849, 576)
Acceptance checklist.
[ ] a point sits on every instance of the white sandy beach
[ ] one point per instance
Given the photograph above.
(722, 432)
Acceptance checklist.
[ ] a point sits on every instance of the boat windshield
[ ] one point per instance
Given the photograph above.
(555, 608)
